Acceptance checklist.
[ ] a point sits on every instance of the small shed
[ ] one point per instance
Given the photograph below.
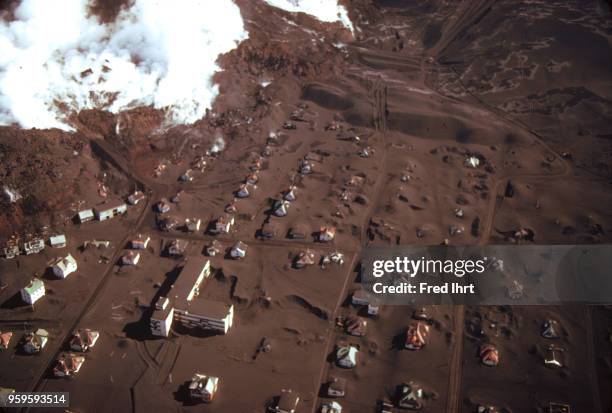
(135, 197)
(85, 215)
(336, 387)
(57, 241)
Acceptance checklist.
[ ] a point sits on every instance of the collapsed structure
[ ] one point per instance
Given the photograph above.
(181, 307)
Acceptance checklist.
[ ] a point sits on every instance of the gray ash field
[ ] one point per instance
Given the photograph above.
(373, 131)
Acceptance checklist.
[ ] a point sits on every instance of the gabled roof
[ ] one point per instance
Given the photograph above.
(416, 335)
(5, 339)
(489, 355)
(35, 284)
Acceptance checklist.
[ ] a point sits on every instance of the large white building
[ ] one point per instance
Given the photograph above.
(205, 314)
(183, 307)
(187, 285)
(162, 317)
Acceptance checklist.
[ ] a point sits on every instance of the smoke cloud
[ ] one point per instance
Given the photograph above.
(56, 58)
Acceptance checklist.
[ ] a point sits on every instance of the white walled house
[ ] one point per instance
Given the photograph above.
(33, 291)
(63, 267)
(109, 211)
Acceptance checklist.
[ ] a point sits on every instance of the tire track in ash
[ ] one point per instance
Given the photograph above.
(378, 90)
(469, 15)
(593, 376)
(506, 118)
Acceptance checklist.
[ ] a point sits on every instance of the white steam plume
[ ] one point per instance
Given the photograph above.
(55, 54)
(323, 10)
(218, 145)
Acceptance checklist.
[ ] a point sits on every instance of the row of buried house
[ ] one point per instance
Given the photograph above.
(32, 246)
(102, 213)
(68, 363)
(110, 210)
